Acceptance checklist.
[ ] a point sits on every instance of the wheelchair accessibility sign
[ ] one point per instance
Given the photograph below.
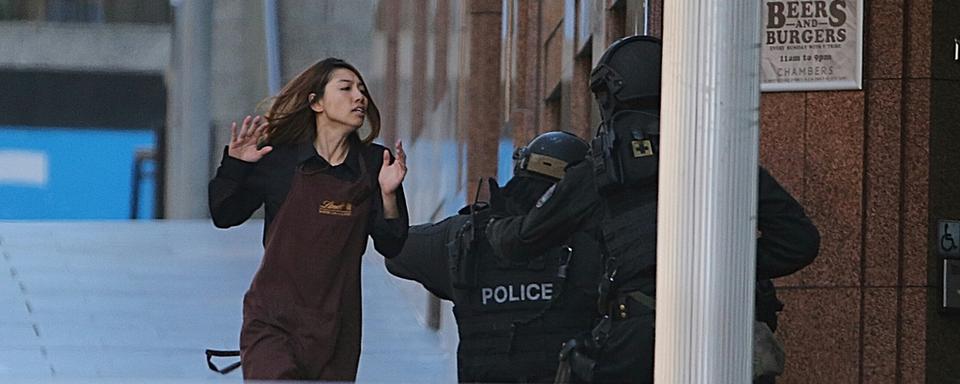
(948, 238)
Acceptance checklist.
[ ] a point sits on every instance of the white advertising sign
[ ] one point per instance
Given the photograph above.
(811, 45)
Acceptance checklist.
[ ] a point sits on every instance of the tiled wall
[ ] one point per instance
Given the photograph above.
(944, 171)
(865, 164)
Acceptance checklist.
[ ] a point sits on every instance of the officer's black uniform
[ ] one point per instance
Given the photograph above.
(788, 241)
(512, 316)
(623, 345)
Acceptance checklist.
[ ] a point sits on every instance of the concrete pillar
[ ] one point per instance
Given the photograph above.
(481, 93)
(187, 137)
(708, 192)
(271, 34)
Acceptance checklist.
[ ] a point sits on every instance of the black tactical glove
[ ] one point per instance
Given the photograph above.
(498, 202)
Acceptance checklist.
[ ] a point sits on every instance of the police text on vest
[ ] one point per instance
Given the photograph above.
(519, 292)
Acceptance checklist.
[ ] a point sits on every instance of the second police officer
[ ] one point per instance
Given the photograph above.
(616, 192)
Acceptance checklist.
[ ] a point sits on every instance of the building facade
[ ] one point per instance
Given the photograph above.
(464, 82)
(82, 107)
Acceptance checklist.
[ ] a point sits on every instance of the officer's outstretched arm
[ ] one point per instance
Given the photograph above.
(424, 256)
(788, 239)
(558, 213)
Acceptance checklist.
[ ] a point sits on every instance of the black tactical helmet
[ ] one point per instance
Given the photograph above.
(628, 76)
(626, 84)
(549, 154)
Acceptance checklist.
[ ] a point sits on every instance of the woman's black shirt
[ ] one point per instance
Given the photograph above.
(240, 188)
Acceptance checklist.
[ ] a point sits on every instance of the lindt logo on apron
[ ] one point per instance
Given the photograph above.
(328, 207)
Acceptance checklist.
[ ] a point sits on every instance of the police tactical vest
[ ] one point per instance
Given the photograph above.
(514, 319)
(629, 229)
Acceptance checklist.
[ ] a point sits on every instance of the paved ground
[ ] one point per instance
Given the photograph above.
(114, 301)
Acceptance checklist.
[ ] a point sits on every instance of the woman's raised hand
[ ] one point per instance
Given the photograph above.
(243, 143)
(391, 175)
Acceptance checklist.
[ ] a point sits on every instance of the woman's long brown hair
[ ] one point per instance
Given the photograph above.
(290, 117)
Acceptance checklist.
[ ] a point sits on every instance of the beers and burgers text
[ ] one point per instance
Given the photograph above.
(806, 22)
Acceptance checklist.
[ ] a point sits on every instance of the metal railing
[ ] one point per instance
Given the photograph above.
(140, 158)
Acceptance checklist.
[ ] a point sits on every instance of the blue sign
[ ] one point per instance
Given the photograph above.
(71, 173)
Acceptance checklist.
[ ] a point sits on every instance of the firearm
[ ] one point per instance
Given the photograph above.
(463, 266)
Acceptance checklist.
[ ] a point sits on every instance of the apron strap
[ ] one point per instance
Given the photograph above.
(225, 370)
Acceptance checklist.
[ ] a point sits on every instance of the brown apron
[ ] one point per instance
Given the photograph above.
(301, 315)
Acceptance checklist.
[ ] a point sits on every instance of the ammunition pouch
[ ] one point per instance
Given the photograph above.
(630, 305)
(768, 354)
(626, 150)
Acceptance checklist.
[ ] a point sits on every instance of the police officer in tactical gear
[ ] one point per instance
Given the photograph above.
(616, 191)
(512, 315)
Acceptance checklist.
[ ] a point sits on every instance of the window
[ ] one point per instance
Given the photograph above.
(87, 11)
